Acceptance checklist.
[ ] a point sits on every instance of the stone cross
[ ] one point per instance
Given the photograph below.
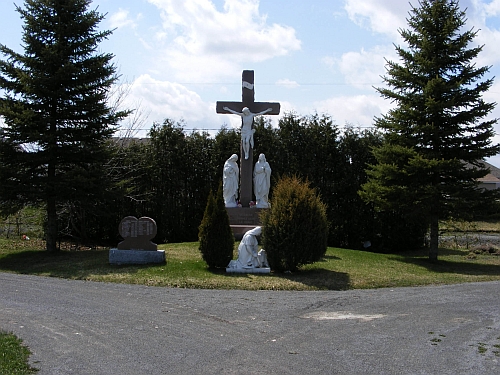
(248, 101)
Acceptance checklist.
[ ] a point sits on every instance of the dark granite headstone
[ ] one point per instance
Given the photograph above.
(136, 247)
(137, 233)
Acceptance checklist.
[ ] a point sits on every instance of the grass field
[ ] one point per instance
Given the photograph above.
(340, 269)
(13, 356)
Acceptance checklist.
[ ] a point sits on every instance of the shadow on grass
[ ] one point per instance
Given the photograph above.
(64, 264)
(319, 278)
(465, 267)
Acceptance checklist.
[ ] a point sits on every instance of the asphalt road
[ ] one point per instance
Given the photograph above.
(78, 327)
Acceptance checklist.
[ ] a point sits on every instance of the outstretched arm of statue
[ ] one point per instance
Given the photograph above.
(230, 110)
(263, 112)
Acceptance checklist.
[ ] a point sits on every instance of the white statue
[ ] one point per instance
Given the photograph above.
(230, 181)
(248, 255)
(246, 126)
(262, 182)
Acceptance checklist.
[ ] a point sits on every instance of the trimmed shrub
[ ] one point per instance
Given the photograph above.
(295, 227)
(215, 235)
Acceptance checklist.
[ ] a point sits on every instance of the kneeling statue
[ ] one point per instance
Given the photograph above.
(248, 255)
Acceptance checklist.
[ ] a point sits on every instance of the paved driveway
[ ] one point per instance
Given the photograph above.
(78, 327)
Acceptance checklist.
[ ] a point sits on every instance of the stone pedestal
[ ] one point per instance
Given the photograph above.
(248, 270)
(119, 257)
(243, 219)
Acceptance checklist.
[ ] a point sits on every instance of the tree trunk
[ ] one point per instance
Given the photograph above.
(51, 230)
(433, 249)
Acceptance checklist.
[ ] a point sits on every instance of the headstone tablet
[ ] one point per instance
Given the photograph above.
(137, 233)
(136, 247)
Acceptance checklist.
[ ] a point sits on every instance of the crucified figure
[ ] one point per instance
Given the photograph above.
(246, 126)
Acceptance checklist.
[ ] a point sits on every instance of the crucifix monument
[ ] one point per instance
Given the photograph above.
(247, 109)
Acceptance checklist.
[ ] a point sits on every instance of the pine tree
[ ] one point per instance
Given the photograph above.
(215, 234)
(437, 133)
(55, 109)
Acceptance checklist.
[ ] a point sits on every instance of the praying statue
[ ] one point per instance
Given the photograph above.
(230, 181)
(246, 126)
(248, 254)
(262, 182)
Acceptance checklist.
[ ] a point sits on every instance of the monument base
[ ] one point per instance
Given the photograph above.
(243, 219)
(120, 257)
(240, 230)
(263, 270)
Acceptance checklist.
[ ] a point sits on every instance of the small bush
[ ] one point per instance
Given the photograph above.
(215, 235)
(295, 227)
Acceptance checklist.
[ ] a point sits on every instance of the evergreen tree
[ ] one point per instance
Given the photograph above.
(215, 234)
(295, 227)
(437, 133)
(55, 108)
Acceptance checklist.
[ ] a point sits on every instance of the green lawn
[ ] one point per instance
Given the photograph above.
(340, 269)
(13, 356)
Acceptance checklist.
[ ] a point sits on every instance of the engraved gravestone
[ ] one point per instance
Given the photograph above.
(136, 247)
(137, 233)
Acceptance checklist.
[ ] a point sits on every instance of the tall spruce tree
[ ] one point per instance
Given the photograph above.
(55, 109)
(437, 133)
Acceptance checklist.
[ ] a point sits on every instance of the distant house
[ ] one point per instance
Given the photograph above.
(492, 180)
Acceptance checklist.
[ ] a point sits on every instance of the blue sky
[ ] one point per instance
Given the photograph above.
(178, 57)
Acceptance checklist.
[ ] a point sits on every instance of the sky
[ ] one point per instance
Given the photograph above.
(177, 58)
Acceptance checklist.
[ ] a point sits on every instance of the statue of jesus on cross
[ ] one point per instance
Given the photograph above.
(247, 109)
(246, 126)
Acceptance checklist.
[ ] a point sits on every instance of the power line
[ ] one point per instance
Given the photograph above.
(284, 84)
(217, 129)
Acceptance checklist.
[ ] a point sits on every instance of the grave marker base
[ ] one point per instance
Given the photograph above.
(119, 257)
(263, 270)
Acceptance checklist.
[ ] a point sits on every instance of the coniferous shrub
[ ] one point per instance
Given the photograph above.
(295, 227)
(215, 235)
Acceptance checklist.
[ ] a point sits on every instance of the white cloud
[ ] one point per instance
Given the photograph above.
(387, 16)
(357, 110)
(478, 14)
(363, 69)
(210, 42)
(163, 99)
(490, 40)
(479, 10)
(287, 83)
(492, 9)
(380, 16)
(121, 19)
